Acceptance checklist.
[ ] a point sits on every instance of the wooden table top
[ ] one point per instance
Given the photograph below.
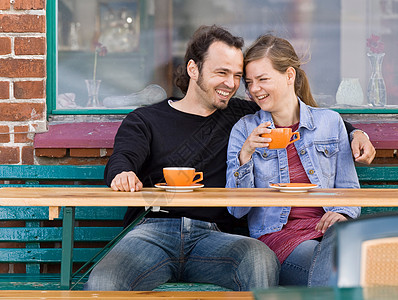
(204, 197)
(115, 295)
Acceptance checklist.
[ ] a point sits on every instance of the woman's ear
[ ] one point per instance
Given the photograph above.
(192, 69)
(291, 75)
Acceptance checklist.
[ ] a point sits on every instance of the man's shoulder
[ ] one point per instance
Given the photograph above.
(149, 111)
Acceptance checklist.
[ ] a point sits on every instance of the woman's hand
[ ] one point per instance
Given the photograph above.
(253, 141)
(328, 219)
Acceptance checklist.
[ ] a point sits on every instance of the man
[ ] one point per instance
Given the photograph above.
(185, 244)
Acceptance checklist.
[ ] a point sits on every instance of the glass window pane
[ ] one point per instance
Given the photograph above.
(146, 39)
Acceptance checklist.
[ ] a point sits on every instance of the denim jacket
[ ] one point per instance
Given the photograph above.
(325, 154)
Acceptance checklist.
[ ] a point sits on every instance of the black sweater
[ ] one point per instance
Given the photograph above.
(157, 136)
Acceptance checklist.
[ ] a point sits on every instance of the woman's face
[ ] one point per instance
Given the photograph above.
(268, 87)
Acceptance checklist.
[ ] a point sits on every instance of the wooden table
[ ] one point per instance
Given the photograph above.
(111, 295)
(205, 197)
(55, 198)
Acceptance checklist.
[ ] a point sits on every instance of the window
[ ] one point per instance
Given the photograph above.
(145, 41)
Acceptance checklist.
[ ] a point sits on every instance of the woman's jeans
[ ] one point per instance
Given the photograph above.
(310, 263)
(161, 250)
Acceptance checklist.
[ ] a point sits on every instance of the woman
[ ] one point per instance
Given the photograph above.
(322, 156)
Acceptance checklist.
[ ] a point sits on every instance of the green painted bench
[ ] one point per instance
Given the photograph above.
(34, 242)
(378, 176)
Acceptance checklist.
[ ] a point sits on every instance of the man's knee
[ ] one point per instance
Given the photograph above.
(260, 265)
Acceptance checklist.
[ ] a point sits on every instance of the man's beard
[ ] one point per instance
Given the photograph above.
(216, 105)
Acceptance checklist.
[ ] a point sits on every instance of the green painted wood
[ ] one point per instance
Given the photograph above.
(54, 234)
(68, 224)
(51, 172)
(44, 255)
(377, 173)
(41, 213)
(187, 286)
(32, 282)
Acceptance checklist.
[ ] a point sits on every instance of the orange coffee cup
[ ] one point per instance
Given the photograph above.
(177, 176)
(281, 137)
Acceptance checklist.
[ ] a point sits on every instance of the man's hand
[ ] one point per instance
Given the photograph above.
(362, 149)
(126, 182)
(328, 219)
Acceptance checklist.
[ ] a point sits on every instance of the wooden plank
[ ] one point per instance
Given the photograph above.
(52, 172)
(53, 212)
(44, 255)
(377, 173)
(54, 234)
(205, 197)
(124, 295)
(41, 213)
(382, 135)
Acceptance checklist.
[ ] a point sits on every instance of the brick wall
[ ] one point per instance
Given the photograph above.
(22, 78)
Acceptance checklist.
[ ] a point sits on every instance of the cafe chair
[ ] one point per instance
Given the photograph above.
(366, 252)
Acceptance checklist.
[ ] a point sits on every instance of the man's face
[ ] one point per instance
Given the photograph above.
(220, 76)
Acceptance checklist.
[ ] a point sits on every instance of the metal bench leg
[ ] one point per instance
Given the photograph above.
(68, 224)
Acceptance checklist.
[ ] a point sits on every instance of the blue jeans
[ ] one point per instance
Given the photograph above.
(296, 267)
(310, 263)
(322, 262)
(161, 250)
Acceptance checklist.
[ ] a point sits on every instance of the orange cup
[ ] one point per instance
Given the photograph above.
(176, 176)
(281, 137)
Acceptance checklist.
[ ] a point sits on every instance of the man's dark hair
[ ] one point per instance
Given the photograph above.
(198, 47)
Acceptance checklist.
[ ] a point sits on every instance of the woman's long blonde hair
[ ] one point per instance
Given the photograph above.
(282, 56)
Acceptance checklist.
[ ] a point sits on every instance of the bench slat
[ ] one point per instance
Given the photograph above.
(54, 234)
(377, 173)
(41, 213)
(43, 255)
(49, 172)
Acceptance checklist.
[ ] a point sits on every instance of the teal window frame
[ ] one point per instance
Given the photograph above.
(51, 86)
(51, 91)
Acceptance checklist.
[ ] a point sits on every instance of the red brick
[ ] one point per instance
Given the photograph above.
(21, 111)
(4, 134)
(22, 23)
(27, 155)
(9, 155)
(22, 137)
(84, 161)
(5, 45)
(29, 89)
(4, 90)
(29, 4)
(384, 153)
(59, 152)
(22, 68)
(5, 4)
(79, 152)
(29, 46)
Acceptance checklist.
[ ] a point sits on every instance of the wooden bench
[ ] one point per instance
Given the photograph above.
(32, 243)
(378, 176)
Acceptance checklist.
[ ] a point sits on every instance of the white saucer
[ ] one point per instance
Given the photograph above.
(179, 189)
(293, 187)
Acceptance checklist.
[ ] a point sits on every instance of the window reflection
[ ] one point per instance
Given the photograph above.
(146, 40)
